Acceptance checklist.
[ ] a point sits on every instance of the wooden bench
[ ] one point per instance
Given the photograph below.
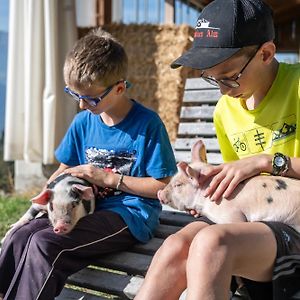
(119, 274)
(196, 120)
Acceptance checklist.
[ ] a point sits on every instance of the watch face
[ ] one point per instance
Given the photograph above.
(279, 161)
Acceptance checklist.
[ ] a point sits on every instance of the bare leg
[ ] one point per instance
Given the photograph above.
(1, 296)
(220, 251)
(166, 277)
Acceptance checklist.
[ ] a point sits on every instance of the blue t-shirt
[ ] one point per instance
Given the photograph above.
(138, 146)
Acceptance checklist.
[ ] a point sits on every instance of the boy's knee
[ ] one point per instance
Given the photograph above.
(174, 247)
(210, 239)
(41, 243)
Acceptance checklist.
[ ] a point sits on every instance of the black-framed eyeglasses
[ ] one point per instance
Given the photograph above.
(229, 82)
(93, 101)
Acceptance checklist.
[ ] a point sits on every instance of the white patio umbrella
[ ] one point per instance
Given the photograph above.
(37, 110)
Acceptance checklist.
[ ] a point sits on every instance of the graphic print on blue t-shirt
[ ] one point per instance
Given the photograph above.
(117, 161)
(111, 161)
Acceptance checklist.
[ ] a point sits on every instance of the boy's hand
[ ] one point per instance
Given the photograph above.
(228, 175)
(94, 175)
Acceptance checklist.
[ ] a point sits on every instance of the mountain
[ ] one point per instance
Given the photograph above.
(2, 106)
(3, 68)
(3, 56)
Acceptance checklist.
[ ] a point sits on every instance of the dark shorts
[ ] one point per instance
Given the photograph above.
(285, 284)
(286, 273)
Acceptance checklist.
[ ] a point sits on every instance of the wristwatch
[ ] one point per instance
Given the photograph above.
(280, 164)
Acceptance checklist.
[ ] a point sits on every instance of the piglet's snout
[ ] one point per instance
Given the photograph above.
(61, 227)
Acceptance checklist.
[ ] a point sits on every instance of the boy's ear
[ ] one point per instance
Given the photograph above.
(268, 51)
(121, 88)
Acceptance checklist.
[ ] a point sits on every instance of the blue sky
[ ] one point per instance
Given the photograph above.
(4, 15)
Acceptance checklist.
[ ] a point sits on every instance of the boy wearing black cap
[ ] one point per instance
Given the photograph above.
(260, 109)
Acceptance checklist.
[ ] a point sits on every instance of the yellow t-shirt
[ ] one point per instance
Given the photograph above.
(271, 127)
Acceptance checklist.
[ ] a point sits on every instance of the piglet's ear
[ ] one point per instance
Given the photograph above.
(189, 172)
(181, 167)
(199, 152)
(86, 192)
(194, 175)
(42, 198)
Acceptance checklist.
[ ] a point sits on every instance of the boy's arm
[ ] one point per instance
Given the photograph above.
(141, 186)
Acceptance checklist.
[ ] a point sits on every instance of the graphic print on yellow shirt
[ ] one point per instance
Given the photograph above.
(270, 127)
(263, 138)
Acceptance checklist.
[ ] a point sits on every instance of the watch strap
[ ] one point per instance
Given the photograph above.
(287, 166)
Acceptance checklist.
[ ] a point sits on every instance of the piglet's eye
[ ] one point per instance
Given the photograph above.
(74, 193)
(75, 203)
(178, 185)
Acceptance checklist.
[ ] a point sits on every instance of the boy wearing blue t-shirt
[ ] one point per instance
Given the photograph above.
(114, 143)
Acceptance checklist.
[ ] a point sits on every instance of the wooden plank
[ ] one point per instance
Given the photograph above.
(202, 96)
(101, 280)
(197, 112)
(199, 129)
(131, 263)
(164, 231)
(70, 294)
(212, 158)
(211, 144)
(176, 218)
(198, 83)
(149, 248)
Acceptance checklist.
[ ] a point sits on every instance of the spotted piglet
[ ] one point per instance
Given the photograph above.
(66, 200)
(260, 198)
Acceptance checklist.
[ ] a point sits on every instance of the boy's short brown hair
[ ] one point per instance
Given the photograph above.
(97, 58)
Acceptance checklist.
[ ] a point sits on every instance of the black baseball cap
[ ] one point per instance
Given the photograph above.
(223, 28)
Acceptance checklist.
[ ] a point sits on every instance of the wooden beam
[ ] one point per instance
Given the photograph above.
(104, 12)
(169, 11)
(285, 16)
(284, 11)
(200, 3)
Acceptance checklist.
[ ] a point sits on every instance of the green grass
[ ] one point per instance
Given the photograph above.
(11, 209)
